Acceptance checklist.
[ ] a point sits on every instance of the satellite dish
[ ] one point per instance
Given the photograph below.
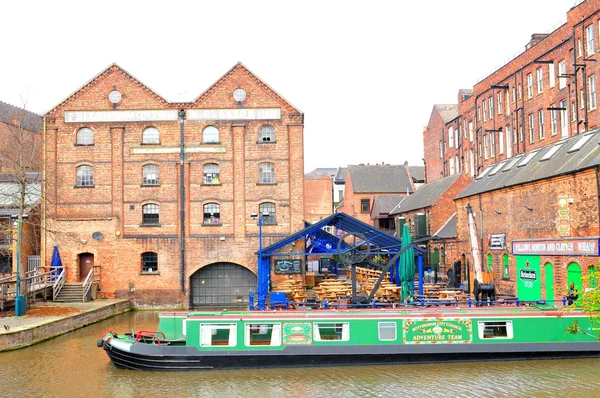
(97, 235)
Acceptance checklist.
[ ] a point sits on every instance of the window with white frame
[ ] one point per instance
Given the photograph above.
(553, 120)
(514, 94)
(331, 331)
(579, 48)
(211, 174)
(520, 91)
(500, 142)
(529, 86)
(478, 113)
(85, 176)
(581, 99)
(508, 141)
(450, 136)
(457, 162)
(267, 212)
(540, 81)
(210, 134)
(531, 126)
(541, 131)
(85, 136)
(451, 165)
(150, 135)
(471, 131)
(387, 331)
(150, 214)
(266, 133)
(551, 75)
(266, 173)
(218, 334)
(500, 96)
(441, 149)
(495, 329)
(562, 74)
(564, 121)
(491, 106)
(507, 102)
(485, 147)
(263, 334)
(592, 91)
(484, 110)
(150, 174)
(573, 111)
(492, 145)
(472, 162)
(212, 213)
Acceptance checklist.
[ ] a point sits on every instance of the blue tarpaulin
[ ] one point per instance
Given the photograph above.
(55, 263)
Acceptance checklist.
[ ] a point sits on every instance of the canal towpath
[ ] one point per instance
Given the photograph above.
(45, 320)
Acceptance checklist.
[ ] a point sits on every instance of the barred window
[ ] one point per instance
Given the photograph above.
(211, 173)
(85, 176)
(266, 133)
(210, 134)
(149, 262)
(150, 172)
(212, 213)
(150, 136)
(85, 136)
(267, 212)
(266, 173)
(150, 214)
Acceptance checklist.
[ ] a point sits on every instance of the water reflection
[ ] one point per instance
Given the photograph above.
(72, 366)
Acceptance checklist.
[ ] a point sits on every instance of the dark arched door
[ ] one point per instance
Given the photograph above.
(221, 284)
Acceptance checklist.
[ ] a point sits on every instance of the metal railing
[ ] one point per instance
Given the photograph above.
(33, 282)
(87, 284)
(59, 280)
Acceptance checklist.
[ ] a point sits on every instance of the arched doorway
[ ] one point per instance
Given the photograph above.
(86, 264)
(221, 284)
(574, 275)
(549, 282)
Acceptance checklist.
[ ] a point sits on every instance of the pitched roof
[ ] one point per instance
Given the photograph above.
(448, 112)
(448, 230)
(28, 120)
(9, 195)
(425, 196)
(340, 177)
(382, 205)
(418, 173)
(564, 157)
(317, 173)
(380, 179)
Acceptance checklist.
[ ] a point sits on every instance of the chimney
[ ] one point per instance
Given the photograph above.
(535, 39)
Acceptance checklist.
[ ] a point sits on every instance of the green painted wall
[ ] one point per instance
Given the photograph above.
(549, 279)
(529, 286)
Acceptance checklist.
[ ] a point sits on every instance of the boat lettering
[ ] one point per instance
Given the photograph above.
(438, 331)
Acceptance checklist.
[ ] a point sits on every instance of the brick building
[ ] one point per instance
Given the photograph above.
(161, 199)
(545, 94)
(318, 194)
(20, 140)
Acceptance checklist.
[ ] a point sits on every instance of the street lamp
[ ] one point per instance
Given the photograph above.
(20, 301)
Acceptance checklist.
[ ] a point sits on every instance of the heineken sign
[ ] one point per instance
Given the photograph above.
(438, 331)
(528, 274)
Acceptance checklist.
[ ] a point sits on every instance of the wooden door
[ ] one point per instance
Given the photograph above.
(86, 264)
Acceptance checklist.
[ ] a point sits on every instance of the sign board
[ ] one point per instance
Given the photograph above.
(438, 331)
(120, 116)
(529, 285)
(497, 242)
(234, 114)
(557, 247)
(297, 333)
(288, 266)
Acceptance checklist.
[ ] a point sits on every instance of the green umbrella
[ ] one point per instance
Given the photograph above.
(407, 265)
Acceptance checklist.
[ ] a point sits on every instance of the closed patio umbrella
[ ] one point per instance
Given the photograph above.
(407, 265)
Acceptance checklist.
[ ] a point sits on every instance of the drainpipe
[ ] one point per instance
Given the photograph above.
(597, 191)
(182, 197)
(575, 82)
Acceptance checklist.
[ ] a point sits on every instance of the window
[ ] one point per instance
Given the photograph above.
(541, 124)
(514, 95)
(551, 152)
(451, 165)
(580, 143)
(484, 110)
(441, 149)
(527, 158)
(150, 135)
(266, 133)
(210, 135)
(562, 74)
(150, 214)
(85, 176)
(223, 335)
(211, 173)
(267, 212)
(212, 213)
(365, 206)
(593, 277)
(450, 136)
(529, 86)
(387, 331)
(564, 121)
(457, 163)
(491, 105)
(149, 262)
(495, 330)
(485, 146)
(330, 331)
(579, 48)
(472, 163)
(500, 97)
(553, 120)
(531, 127)
(540, 81)
(592, 92)
(266, 173)
(507, 102)
(85, 136)
(581, 99)
(490, 259)
(520, 91)
(508, 141)
(150, 172)
(263, 334)
(500, 142)
(478, 113)
(551, 75)
(505, 266)
(492, 145)
(471, 131)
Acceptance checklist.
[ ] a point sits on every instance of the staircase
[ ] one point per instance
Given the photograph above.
(70, 293)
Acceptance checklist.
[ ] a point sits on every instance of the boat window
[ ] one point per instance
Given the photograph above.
(387, 331)
(218, 335)
(496, 330)
(339, 331)
(263, 334)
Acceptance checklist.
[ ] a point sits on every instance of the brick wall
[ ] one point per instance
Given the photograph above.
(318, 199)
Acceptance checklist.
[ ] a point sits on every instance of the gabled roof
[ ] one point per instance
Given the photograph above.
(340, 177)
(9, 114)
(380, 179)
(343, 224)
(448, 112)
(448, 230)
(382, 205)
(317, 173)
(418, 173)
(564, 157)
(425, 196)
(9, 195)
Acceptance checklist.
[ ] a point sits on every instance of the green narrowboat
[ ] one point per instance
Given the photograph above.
(215, 340)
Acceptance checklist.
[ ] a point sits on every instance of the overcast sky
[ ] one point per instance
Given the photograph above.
(366, 74)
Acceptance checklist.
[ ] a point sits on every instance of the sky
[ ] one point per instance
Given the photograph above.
(366, 74)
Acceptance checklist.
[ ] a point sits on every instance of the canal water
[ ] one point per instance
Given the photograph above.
(72, 366)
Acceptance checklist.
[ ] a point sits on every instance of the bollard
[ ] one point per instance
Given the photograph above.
(325, 305)
(517, 302)
(470, 302)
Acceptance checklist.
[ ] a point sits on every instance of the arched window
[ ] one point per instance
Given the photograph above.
(266, 173)
(593, 277)
(150, 173)
(149, 262)
(266, 133)
(150, 214)
(85, 176)
(210, 134)
(211, 173)
(150, 136)
(85, 136)
(490, 262)
(267, 212)
(212, 213)
(505, 274)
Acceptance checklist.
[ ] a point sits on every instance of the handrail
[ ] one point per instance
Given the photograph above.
(59, 281)
(87, 284)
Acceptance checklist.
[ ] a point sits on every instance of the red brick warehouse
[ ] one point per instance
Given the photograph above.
(158, 198)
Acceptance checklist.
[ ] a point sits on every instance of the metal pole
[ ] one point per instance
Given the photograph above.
(19, 303)
(262, 294)
(182, 198)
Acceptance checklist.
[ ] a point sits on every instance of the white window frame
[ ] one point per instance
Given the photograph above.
(508, 141)
(500, 108)
(540, 81)
(564, 120)
(529, 86)
(507, 105)
(387, 325)
(553, 120)
(450, 136)
(485, 147)
(471, 131)
(484, 110)
(501, 142)
(491, 106)
(562, 74)
(345, 336)
(579, 47)
(551, 75)
(275, 333)
(592, 100)
(509, 330)
(451, 165)
(590, 44)
(492, 145)
(531, 126)
(472, 163)
(206, 333)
